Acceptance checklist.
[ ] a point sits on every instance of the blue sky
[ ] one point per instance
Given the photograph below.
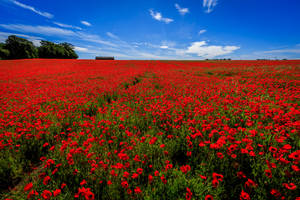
(160, 29)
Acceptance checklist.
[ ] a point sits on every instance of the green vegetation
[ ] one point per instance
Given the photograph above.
(4, 53)
(52, 50)
(20, 48)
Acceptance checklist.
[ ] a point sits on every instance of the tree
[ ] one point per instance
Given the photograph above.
(20, 48)
(69, 50)
(48, 50)
(4, 53)
(52, 50)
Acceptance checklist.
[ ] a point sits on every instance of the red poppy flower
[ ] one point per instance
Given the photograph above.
(126, 174)
(268, 173)
(134, 175)
(32, 193)
(295, 168)
(220, 155)
(46, 180)
(215, 183)
(137, 190)
(150, 178)
(139, 170)
(290, 186)
(46, 194)
(83, 182)
(28, 187)
(244, 196)
(241, 175)
(250, 183)
(164, 180)
(124, 184)
(56, 192)
(275, 193)
(189, 194)
(233, 156)
(295, 155)
(63, 185)
(209, 197)
(218, 177)
(185, 169)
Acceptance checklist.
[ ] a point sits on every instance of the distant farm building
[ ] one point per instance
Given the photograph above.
(105, 58)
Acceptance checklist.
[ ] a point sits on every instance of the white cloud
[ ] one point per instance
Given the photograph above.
(67, 26)
(137, 50)
(182, 11)
(202, 31)
(54, 31)
(36, 43)
(111, 35)
(205, 51)
(282, 51)
(81, 49)
(151, 56)
(196, 50)
(4, 35)
(86, 23)
(94, 51)
(43, 30)
(209, 5)
(35, 40)
(130, 51)
(94, 38)
(164, 47)
(44, 14)
(141, 50)
(169, 43)
(157, 16)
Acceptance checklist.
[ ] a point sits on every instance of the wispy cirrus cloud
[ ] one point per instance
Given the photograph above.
(209, 5)
(284, 52)
(67, 25)
(292, 50)
(31, 8)
(201, 31)
(93, 51)
(146, 50)
(4, 35)
(182, 11)
(86, 23)
(166, 45)
(35, 40)
(113, 36)
(41, 30)
(94, 39)
(203, 50)
(58, 32)
(158, 16)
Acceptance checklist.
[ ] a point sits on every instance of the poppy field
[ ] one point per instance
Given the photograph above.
(207, 130)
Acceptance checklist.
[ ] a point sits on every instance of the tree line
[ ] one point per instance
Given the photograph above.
(20, 48)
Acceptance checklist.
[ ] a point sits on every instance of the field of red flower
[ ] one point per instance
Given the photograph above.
(83, 129)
